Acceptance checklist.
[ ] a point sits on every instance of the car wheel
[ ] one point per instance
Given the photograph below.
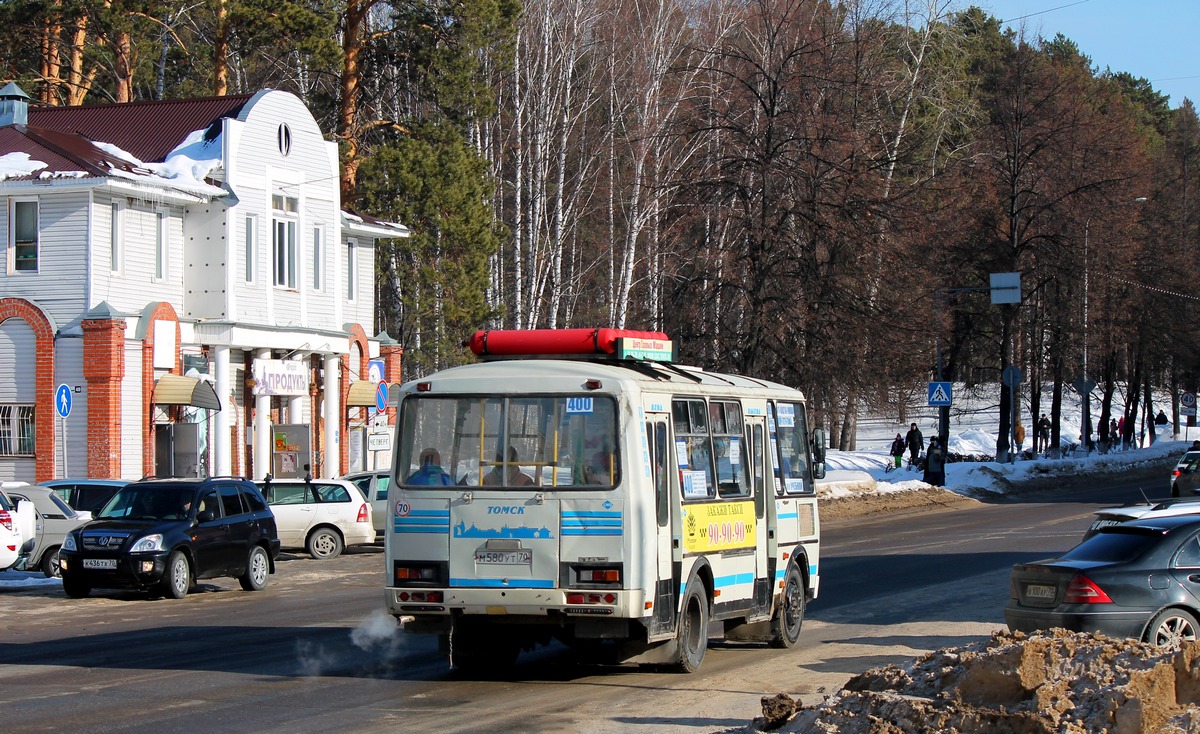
(75, 588)
(178, 578)
(50, 568)
(258, 568)
(789, 617)
(1172, 627)
(691, 631)
(324, 543)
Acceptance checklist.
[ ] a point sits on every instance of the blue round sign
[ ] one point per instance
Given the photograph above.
(381, 397)
(62, 400)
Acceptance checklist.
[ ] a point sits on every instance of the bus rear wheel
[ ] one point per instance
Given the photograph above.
(481, 649)
(789, 617)
(691, 631)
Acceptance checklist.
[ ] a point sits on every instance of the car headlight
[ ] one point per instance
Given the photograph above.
(69, 542)
(148, 543)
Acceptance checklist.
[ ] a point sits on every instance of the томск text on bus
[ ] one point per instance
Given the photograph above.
(578, 485)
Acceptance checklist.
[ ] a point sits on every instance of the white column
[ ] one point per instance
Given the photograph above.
(262, 429)
(332, 407)
(222, 441)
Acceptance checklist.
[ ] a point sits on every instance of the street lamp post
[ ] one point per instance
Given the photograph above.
(1083, 385)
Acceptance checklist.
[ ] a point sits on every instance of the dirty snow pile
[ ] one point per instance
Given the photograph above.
(1045, 683)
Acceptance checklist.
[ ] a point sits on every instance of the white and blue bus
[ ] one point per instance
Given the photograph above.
(579, 485)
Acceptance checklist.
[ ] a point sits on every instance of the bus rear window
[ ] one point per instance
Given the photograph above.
(495, 441)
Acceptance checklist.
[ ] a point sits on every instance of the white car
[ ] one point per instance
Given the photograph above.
(10, 534)
(53, 519)
(374, 486)
(323, 516)
(1146, 509)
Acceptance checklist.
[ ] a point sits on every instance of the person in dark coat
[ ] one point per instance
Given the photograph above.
(1161, 419)
(915, 442)
(897, 450)
(1043, 432)
(935, 463)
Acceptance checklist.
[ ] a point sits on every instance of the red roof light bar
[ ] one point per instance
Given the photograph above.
(522, 342)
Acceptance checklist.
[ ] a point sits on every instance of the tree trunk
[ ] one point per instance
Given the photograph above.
(347, 122)
(221, 50)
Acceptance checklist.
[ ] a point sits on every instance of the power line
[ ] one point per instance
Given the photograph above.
(1042, 12)
(1152, 288)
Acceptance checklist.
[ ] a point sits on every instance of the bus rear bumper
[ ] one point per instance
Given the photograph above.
(423, 602)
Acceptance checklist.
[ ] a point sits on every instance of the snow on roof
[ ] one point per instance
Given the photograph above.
(13, 165)
(184, 168)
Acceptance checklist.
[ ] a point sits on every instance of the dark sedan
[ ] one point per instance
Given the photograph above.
(1139, 579)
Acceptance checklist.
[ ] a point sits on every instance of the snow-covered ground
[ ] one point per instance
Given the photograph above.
(974, 425)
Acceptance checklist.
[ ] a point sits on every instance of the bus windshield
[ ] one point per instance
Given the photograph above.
(506, 442)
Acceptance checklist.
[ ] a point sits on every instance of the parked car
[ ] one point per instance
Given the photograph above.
(85, 495)
(1185, 477)
(53, 519)
(162, 535)
(1138, 579)
(16, 525)
(323, 516)
(1145, 509)
(374, 486)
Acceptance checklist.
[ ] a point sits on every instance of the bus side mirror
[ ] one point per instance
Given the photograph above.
(818, 452)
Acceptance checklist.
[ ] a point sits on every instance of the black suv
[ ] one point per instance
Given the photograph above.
(164, 534)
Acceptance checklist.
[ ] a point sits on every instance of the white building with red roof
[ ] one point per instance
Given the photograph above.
(184, 271)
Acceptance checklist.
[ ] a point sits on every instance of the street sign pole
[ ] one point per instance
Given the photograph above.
(62, 405)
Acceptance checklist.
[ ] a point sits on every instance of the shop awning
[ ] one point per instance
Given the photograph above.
(179, 390)
(362, 394)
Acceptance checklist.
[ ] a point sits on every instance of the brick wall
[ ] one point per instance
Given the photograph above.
(162, 312)
(103, 369)
(44, 414)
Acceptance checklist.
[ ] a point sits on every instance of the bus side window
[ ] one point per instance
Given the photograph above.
(656, 434)
(730, 449)
(694, 449)
(758, 470)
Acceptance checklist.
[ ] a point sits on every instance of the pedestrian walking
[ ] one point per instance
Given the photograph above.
(1043, 433)
(915, 442)
(1121, 431)
(935, 463)
(1161, 419)
(897, 450)
(1019, 436)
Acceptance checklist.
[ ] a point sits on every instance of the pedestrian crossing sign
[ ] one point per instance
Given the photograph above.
(940, 393)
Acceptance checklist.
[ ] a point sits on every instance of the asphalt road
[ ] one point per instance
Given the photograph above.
(315, 653)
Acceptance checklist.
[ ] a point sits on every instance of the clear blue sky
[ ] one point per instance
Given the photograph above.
(1158, 40)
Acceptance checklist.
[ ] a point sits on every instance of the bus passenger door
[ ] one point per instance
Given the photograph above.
(766, 545)
(666, 587)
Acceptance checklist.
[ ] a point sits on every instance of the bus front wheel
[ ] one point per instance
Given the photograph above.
(789, 616)
(691, 631)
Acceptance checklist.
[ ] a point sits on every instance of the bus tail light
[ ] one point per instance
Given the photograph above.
(600, 575)
(433, 597)
(591, 598)
(416, 573)
(362, 513)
